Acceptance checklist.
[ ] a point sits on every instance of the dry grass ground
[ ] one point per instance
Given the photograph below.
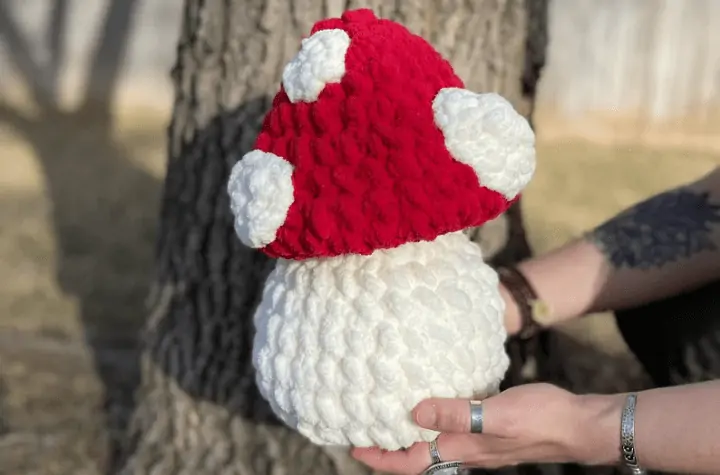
(77, 214)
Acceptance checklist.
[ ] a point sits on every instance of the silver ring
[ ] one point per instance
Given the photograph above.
(438, 467)
(476, 417)
(434, 454)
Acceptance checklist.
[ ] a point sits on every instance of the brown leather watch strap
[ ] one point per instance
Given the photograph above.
(531, 307)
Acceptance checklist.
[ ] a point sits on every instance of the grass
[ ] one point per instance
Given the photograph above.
(578, 185)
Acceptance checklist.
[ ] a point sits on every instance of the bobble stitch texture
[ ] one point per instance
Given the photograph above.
(261, 192)
(371, 169)
(485, 132)
(321, 61)
(371, 161)
(347, 346)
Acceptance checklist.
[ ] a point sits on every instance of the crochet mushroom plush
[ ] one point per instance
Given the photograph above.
(371, 162)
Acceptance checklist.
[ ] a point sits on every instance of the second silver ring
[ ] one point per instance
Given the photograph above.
(434, 453)
(476, 417)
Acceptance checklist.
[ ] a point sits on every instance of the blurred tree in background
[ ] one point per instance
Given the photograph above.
(198, 409)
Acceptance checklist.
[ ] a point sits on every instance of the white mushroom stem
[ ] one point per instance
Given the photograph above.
(486, 133)
(346, 346)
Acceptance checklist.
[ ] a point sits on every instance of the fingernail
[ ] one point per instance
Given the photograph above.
(425, 416)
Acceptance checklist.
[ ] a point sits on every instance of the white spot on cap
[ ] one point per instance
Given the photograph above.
(321, 61)
(261, 192)
(485, 132)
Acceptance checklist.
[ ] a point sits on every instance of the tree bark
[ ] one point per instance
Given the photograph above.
(198, 409)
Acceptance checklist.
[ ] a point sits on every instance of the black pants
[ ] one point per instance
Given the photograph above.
(677, 340)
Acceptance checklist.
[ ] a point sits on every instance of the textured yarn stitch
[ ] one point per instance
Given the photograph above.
(261, 193)
(371, 161)
(347, 346)
(371, 167)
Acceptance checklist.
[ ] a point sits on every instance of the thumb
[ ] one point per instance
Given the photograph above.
(444, 415)
(501, 412)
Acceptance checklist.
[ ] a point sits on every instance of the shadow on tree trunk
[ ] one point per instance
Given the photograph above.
(200, 330)
(199, 394)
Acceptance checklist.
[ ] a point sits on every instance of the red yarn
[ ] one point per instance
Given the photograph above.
(371, 167)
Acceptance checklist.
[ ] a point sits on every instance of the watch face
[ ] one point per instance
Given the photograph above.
(541, 312)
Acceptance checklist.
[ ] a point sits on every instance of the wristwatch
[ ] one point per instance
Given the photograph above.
(534, 312)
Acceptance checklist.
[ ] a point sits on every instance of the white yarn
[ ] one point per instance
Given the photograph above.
(261, 192)
(347, 346)
(320, 61)
(485, 132)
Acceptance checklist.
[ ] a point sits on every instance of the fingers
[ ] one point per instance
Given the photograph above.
(444, 415)
(411, 461)
(417, 458)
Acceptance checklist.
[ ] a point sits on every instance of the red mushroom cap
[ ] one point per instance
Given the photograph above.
(370, 167)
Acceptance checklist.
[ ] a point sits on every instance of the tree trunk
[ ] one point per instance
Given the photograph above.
(198, 409)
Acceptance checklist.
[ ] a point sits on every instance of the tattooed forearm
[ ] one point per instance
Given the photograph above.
(666, 228)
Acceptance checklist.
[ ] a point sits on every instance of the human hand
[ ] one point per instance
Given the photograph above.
(534, 423)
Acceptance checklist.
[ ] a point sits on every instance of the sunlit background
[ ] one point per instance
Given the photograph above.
(629, 105)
